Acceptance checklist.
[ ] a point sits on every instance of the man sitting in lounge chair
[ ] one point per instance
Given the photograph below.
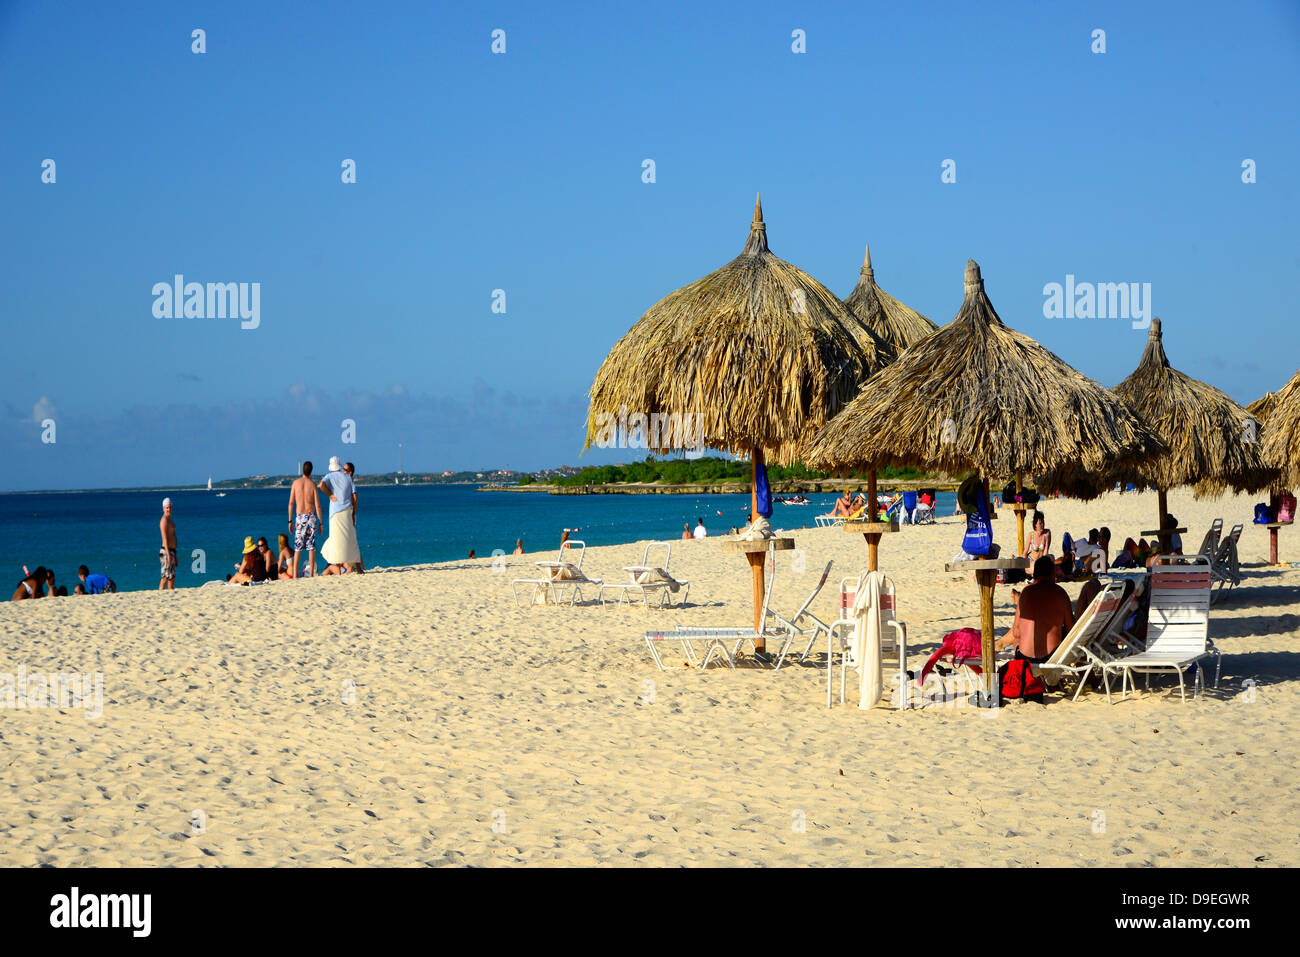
(1043, 616)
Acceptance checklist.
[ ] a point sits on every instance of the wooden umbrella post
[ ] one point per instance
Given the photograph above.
(1160, 526)
(873, 539)
(757, 560)
(1020, 519)
(987, 579)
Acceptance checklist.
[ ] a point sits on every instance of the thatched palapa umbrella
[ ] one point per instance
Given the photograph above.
(977, 395)
(1262, 407)
(757, 354)
(1281, 446)
(1212, 443)
(1278, 414)
(900, 326)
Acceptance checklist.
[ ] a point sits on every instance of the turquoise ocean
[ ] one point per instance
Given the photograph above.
(116, 532)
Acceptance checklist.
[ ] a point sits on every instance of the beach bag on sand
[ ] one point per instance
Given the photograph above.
(1262, 516)
(1016, 680)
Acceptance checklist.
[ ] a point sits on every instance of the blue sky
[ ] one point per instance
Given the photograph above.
(522, 172)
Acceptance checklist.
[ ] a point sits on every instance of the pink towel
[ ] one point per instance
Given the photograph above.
(964, 643)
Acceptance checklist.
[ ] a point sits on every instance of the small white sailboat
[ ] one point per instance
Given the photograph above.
(209, 483)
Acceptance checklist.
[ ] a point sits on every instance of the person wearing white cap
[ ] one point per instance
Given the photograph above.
(340, 549)
(167, 553)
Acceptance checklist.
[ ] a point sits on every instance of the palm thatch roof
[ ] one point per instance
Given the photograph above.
(1262, 407)
(759, 348)
(977, 395)
(1212, 443)
(1281, 445)
(899, 325)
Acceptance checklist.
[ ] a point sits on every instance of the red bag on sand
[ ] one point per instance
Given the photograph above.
(1018, 681)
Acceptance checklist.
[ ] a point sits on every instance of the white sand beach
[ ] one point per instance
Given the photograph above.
(486, 734)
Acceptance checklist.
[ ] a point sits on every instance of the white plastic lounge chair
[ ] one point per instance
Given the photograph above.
(648, 578)
(803, 622)
(563, 573)
(716, 640)
(843, 635)
(1076, 654)
(1224, 563)
(1177, 626)
(1210, 543)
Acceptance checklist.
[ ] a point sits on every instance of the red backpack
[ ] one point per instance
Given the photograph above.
(1018, 681)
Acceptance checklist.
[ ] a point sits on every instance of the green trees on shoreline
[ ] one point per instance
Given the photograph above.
(709, 470)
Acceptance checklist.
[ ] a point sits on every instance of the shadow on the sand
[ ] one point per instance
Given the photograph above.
(1251, 626)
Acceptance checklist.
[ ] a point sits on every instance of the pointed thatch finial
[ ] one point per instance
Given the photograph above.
(973, 278)
(1154, 332)
(757, 230)
(867, 271)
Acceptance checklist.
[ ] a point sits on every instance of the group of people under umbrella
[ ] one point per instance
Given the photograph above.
(783, 370)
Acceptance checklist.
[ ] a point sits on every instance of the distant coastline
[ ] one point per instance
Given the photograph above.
(798, 486)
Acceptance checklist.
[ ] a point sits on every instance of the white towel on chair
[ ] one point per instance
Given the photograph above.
(866, 637)
(651, 576)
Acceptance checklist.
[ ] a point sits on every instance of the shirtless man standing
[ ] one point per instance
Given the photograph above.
(304, 518)
(167, 552)
(1043, 616)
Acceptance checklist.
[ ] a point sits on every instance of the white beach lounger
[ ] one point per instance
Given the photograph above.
(1224, 564)
(1210, 543)
(1177, 626)
(835, 521)
(795, 625)
(649, 577)
(1076, 654)
(717, 640)
(562, 573)
(843, 635)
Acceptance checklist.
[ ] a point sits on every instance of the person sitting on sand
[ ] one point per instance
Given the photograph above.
(286, 569)
(1043, 616)
(700, 530)
(686, 531)
(268, 557)
(252, 567)
(519, 546)
(96, 584)
(30, 587)
(1040, 542)
(79, 590)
